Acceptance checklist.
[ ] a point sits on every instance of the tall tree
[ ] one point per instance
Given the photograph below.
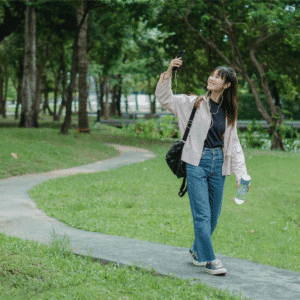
(67, 122)
(83, 122)
(4, 77)
(29, 112)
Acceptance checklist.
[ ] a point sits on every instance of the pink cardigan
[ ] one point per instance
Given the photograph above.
(181, 106)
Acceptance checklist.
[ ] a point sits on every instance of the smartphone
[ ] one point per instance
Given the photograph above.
(180, 54)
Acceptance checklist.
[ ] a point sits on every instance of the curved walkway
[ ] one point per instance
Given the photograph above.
(20, 217)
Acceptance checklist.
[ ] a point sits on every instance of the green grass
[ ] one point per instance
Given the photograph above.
(140, 201)
(29, 270)
(45, 149)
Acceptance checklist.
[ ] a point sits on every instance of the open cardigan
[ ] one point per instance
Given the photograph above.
(181, 106)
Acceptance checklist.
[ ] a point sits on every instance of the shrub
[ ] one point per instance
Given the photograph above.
(288, 132)
(154, 128)
(253, 138)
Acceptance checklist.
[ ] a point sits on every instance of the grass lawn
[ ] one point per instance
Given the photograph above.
(140, 201)
(45, 149)
(29, 270)
(33, 271)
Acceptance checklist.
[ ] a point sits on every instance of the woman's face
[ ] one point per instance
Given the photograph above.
(215, 82)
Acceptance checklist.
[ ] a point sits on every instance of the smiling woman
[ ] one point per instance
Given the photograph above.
(212, 151)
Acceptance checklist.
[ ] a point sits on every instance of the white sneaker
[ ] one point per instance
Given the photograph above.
(195, 261)
(215, 268)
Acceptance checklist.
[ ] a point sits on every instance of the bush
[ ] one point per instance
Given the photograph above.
(154, 128)
(288, 132)
(253, 138)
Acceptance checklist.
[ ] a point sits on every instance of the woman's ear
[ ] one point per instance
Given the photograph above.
(227, 85)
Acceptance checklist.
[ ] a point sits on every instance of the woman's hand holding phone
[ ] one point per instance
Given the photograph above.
(176, 62)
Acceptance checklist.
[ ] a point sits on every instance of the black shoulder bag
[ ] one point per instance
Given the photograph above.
(173, 157)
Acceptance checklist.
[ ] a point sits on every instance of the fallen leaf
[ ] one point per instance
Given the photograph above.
(14, 155)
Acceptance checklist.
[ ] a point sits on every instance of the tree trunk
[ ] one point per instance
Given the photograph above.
(68, 117)
(19, 98)
(61, 107)
(64, 84)
(83, 122)
(113, 104)
(38, 93)
(101, 96)
(46, 103)
(106, 103)
(5, 91)
(46, 98)
(152, 105)
(1, 90)
(56, 90)
(28, 116)
(97, 89)
(67, 122)
(76, 96)
(119, 95)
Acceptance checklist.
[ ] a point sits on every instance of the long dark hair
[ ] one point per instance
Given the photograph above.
(229, 103)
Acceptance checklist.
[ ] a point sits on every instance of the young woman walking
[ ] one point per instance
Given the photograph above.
(211, 152)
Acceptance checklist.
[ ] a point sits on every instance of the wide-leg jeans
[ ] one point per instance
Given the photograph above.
(205, 185)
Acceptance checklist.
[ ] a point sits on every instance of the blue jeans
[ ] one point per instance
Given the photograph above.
(205, 185)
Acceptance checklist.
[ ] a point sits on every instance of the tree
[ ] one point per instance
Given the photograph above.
(236, 32)
(113, 49)
(4, 77)
(29, 109)
(67, 122)
(83, 123)
(56, 33)
(14, 51)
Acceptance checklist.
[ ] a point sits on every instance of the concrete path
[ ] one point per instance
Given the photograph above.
(20, 217)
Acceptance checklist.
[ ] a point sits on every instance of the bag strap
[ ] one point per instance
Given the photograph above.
(183, 188)
(189, 124)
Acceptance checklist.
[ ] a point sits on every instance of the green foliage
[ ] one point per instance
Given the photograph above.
(247, 109)
(288, 131)
(291, 107)
(290, 136)
(275, 22)
(253, 139)
(154, 128)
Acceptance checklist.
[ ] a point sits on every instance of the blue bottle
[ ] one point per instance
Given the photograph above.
(242, 190)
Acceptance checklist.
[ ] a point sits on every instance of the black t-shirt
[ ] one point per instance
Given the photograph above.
(214, 136)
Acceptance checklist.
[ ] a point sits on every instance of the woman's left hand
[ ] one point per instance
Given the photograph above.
(239, 182)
